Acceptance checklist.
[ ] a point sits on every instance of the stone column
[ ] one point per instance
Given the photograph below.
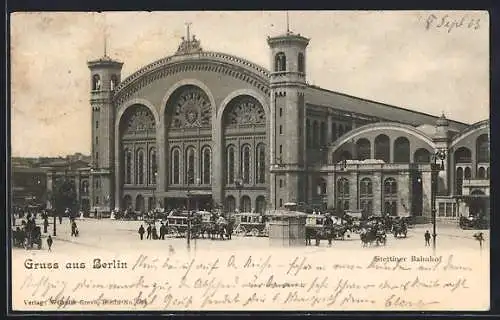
(426, 193)
(331, 189)
(377, 192)
(353, 190)
(404, 195)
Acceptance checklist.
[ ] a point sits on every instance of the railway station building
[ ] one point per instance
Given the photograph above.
(199, 128)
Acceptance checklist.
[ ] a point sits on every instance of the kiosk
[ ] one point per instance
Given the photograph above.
(287, 228)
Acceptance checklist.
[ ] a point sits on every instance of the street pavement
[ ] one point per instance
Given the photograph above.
(122, 236)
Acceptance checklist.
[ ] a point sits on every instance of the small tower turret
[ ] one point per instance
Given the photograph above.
(287, 147)
(105, 75)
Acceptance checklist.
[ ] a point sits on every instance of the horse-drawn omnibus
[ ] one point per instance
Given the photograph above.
(251, 224)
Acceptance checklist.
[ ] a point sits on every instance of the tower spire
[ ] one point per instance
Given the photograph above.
(105, 45)
(287, 23)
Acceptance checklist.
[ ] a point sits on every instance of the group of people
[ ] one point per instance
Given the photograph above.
(152, 232)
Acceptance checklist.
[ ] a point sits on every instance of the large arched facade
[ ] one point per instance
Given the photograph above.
(198, 129)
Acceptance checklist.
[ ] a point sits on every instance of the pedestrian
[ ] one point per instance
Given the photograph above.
(49, 242)
(45, 224)
(328, 227)
(141, 232)
(479, 237)
(95, 214)
(60, 219)
(148, 230)
(162, 231)
(427, 237)
(73, 229)
(155, 233)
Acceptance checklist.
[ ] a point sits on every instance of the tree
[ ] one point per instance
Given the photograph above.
(64, 196)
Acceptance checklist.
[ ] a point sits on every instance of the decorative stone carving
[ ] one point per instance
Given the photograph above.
(192, 109)
(245, 110)
(140, 121)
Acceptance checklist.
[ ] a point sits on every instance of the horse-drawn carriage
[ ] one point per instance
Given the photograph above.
(316, 229)
(251, 224)
(373, 234)
(475, 222)
(27, 237)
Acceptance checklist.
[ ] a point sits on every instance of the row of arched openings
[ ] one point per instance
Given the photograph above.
(389, 194)
(141, 169)
(96, 82)
(243, 172)
(280, 62)
(205, 174)
(245, 204)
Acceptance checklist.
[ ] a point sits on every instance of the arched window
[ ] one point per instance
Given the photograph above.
(114, 82)
(127, 202)
(152, 166)
(343, 195)
(308, 134)
(463, 155)
(366, 196)
(324, 133)
(467, 173)
(245, 164)
(334, 132)
(96, 82)
(383, 148)
(175, 161)
(483, 149)
(128, 166)
(341, 130)
(315, 137)
(245, 204)
(260, 169)
(190, 165)
(321, 187)
(390, 197)
(422, 156)
(345, 155)
(139, 204)
(460, 180)
(230, 165)
(300, 62)
(280, 62)
(260, 204)
(85, 187)
(139, 169)
(402, 150)
(363, 149)
(229, 204)
(206, 165)
(481, 173)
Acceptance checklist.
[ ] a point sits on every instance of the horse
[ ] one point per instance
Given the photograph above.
(372, 235)
(339, 231)
(399, 230)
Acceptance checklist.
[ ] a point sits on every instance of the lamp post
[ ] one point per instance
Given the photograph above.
(437, 164)
(239, 185)
(154, 190)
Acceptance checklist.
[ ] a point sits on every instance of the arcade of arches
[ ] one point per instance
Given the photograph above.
(189, 154)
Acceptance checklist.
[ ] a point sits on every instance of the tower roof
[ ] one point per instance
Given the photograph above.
(442, 121)
(104, 61)
(288, 38)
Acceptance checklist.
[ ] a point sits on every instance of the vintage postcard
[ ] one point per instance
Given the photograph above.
(317, 161)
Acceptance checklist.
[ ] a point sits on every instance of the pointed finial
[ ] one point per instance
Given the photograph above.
(287, 23)
(105, 45)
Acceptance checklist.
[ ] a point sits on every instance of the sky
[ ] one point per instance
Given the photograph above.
(431, 62)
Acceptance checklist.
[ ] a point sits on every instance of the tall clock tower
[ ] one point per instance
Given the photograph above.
(105, 74)
(287, 149)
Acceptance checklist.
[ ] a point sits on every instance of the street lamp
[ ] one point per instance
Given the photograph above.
(239, 185)
(437, 164)
(154, 189)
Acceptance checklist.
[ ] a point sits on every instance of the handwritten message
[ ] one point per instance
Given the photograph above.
(323, 280)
